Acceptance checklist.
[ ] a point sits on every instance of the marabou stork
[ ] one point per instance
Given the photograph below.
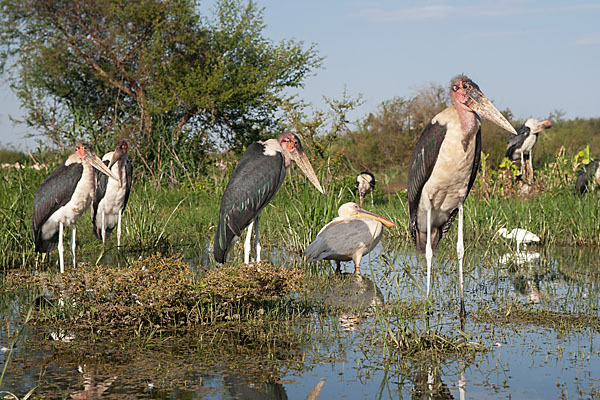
(366, 184)
(588, 177)
(443, 167)
(63, 197)
(347, 237)
(519, 235)
(258, 176)
(520, 145)
(111, 197)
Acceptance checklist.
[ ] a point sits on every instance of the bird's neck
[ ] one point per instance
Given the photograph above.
(469, 122)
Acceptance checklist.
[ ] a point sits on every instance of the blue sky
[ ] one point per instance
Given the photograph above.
(531, 56)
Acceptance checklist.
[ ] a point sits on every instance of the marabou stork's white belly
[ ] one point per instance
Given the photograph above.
(113, 199)
(343, 238)
(528, 144)
(448, 184)
(80, 201)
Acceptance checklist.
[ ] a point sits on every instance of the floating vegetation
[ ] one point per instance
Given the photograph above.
(161, 293)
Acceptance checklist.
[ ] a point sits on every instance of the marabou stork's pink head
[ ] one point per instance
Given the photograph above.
(291, 149)
(465, 94)
(120, 150)
(85, 153)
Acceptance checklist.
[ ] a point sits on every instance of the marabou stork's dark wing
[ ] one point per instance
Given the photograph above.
(54, 192)
(128, 179)
(476, 160)
(252, 185)
(514, 142)
(421, 165)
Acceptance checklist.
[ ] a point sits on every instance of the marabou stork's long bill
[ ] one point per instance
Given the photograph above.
(111, 197)
(366, 184)
(443, 167)
(63, 197)
(258, 176)
(520, 146)
(351, 235)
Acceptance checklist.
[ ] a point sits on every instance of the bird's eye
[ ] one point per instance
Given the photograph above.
(455, 88)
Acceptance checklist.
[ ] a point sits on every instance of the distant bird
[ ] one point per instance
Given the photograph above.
(443, 167)
(111, 197)
(63, 197)
(347, 237)
(366, 184)
(588, 177)
(258, 176)
(519, 235)
(520, 145)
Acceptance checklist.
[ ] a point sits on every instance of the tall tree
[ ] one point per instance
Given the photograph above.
(133, 64)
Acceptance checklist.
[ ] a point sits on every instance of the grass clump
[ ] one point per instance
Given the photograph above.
(162, 293)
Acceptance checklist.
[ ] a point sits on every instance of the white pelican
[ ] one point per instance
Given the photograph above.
(347, 237)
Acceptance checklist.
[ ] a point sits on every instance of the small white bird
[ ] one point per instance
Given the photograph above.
(347, 237)
(519, 235)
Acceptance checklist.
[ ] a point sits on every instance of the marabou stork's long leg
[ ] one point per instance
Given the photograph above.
(103, 229)
(522, 163)
(247, 244)
(428, 250)
(460, 252)
(61, 249)
(119, 230)
(531, 163)
(73, 243)
(371, 198)
(256, 240)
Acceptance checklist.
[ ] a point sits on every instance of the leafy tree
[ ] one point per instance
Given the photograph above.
(153, 70)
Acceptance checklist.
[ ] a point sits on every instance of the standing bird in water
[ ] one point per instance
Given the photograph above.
(111, 197)
(63, 197)
(443, 167)
(258, 176)
(347, 237)
(366, 184)
(520, 146)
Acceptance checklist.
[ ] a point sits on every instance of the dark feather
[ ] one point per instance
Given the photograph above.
(515, 142)
(252, 185)
(585, 175)
(421, 165)
(54, 192)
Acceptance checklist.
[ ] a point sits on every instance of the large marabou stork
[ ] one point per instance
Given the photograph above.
(111, 197)
(366, 184)
(351, 235)
(257, 177)
(63, 197)
(443, 167)
(520, 146)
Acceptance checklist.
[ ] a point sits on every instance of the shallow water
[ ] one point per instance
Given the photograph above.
(524, 360)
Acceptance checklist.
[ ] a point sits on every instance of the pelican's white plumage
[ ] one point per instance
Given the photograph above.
(351, 235)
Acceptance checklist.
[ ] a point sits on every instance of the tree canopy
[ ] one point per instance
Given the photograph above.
(155, 71)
